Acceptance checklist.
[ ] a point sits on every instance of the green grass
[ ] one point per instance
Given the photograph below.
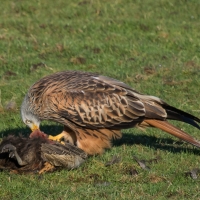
(154, 46)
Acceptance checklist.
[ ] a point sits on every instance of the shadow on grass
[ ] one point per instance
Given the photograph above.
(50, 129)
(165, 144)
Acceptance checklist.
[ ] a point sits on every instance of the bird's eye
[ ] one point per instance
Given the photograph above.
(28, 121)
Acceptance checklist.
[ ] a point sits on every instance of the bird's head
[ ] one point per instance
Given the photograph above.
(28, 117)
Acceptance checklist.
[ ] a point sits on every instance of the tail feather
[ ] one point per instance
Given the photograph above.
(169, 128)
(176, 114)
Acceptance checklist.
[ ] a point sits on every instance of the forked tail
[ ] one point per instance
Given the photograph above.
(171, 129)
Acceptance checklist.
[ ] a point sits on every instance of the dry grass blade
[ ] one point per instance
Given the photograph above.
(142, 163)
(34, 67)
(11, 105)
(115, 159)
(193, 173)
(102, 183)
(154, 160)
(78, 60)
(9, 74)
(132, 171)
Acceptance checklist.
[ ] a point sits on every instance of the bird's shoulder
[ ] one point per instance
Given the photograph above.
(76, 82)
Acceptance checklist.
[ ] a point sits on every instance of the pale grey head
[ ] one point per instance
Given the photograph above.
(27, 115)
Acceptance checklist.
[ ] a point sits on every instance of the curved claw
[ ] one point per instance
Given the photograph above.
(57, 138)
(8, 148)
(11, 149)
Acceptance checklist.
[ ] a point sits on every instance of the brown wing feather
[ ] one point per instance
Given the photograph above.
(95, 107)
(86, 101)
(63, 155)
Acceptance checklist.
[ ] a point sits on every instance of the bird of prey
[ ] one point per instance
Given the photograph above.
(95, 108)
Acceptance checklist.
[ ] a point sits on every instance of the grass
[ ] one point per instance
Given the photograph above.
(154, 46)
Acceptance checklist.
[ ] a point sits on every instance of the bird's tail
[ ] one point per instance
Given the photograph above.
(169, 128)
(177, 114)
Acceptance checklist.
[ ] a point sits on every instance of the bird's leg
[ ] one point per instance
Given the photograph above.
(47, 167)
(13, 153)
(58, 137)
(67, 135)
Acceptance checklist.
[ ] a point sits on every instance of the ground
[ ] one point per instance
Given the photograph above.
(151, 45)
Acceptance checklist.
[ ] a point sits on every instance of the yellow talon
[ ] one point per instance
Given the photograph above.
(66, 136)
(58, 137)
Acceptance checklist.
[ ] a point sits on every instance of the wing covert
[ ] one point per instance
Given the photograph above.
(97, 104)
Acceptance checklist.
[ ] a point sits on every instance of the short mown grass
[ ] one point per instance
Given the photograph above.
(154, 46)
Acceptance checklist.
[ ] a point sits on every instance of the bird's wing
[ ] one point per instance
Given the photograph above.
(67, 155)
(97, 101)
(98, 106)
(92, 102)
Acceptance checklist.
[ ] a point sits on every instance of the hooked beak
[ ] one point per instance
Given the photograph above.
(34, 127)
